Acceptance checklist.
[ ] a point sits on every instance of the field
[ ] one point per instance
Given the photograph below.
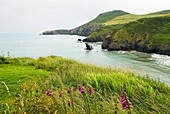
(42, 86)
(130, 17)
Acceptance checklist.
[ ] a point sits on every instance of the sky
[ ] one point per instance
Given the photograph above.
(41, 15)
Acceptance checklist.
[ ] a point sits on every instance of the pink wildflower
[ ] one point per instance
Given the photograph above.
(91, 90)
(70, 102)
(81, 88)
(48, 93)
(124, 107)
(61, 94)
(69, 91)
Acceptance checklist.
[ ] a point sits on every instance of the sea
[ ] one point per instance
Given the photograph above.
(34, 45)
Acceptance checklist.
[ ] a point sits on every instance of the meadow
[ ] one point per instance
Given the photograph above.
(131, 17)
(58, 85)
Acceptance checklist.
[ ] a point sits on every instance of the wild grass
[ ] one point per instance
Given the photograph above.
(130, 17)
(15, 73)
(154, 31)
(105, 31)
(112, 26)
(107, 16)
(147, 95)
(7, 89)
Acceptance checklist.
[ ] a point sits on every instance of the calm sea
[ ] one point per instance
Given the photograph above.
(35, 45)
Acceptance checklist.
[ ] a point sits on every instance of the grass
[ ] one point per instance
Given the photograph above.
(129, 18)
(147, 32)
(14, 75)
(60, 74)
(118, 21)
(106, 30)
(107, 16)
(157, 28)
(103, 21)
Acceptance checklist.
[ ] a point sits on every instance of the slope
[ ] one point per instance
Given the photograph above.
(151, 35)
(100, 34)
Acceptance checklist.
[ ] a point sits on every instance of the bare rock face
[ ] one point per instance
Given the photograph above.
(88, 46)
(115, 47)
(106, 43)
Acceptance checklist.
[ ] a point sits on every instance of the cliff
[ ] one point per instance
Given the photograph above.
(150, 35)
(119, 30)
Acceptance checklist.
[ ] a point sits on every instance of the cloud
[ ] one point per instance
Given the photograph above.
(40, 15)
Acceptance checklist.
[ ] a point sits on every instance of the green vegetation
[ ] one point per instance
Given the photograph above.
(105, 30)
(118, 21)
(107, 16)
(157, 30)
(59, 74)
(100, 26)
(130, 17)
(151, 35)
(15, 74)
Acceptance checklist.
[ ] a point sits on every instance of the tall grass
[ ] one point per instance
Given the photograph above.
(7, 89)
(147, 95)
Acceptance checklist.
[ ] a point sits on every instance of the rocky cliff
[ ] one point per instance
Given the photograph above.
(150, 35)
(119, 30)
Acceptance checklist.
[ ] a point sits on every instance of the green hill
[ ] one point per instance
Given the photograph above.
(130, 17)
(107, 23)
(100, 34)
(150, 35)
(105, 17)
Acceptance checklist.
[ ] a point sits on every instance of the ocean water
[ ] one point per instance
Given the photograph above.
(35, 45)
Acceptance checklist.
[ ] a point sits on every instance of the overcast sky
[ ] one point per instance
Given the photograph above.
(40, 15)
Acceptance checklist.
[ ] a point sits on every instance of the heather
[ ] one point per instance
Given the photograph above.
(58, 85)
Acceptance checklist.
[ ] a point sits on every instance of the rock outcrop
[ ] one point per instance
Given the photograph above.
(88, 46)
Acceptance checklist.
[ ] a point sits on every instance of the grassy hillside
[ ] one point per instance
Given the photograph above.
(150, 35)
(105, 30)
(130, 17)
(59, 74)
(114, 23)
(103, 21)
(107, 16)
(157, 30)
(121, 19)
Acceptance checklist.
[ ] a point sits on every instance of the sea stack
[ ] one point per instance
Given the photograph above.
(88, 46)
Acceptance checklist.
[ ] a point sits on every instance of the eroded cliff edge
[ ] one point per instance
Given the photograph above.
(150, 35)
